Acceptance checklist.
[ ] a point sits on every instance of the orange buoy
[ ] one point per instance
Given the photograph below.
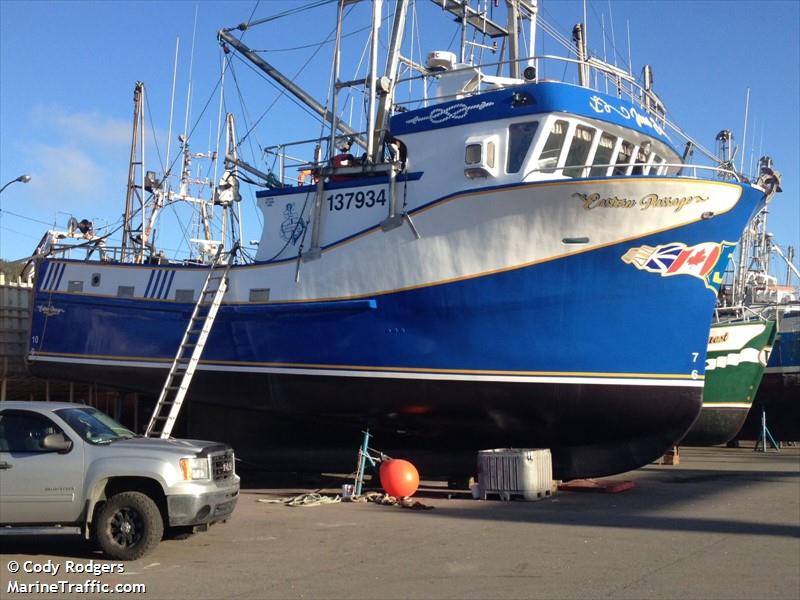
(399, 477)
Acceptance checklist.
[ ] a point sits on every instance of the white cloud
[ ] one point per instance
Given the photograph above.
(66, 179)
(82, 127)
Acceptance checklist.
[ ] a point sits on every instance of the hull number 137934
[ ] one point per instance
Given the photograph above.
(348, 200)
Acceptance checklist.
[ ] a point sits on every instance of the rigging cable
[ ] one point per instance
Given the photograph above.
(153, 132)
(324, 43)
(283, 90)
(276, 16)
(211, 96)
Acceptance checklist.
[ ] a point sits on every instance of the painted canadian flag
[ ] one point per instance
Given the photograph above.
(696, 260)
(677, 258)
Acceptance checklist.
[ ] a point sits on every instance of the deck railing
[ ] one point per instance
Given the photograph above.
(602, 78)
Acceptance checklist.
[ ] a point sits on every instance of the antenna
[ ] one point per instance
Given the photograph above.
(752, 150)
(191, 67)
(630, 60)
(613, 37)
(744, 136)
(605, 57)
(172, 103)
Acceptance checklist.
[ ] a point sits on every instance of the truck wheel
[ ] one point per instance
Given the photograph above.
(129, 526)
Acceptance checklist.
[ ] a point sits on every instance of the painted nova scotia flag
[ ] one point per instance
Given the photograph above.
(705, 261)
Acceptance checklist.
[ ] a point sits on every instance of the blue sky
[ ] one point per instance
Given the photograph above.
(68, 69)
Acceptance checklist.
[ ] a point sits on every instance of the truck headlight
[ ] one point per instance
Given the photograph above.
(194, 468)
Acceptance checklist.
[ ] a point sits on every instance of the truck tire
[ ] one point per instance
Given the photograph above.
(129, 526)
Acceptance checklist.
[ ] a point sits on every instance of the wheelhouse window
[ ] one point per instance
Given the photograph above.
(603, 155)
(520, 136)
(472, 156)
(623, 158)
(579, 151)
(642, 158)
(480, 157)
(657, 162)
(490, 150)
(548, 159)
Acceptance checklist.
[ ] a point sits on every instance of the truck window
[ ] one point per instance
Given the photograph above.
(24, 432)
(94, 426)
(520, 136)
(578, 151)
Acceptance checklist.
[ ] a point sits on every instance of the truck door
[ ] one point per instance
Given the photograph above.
(38, 485)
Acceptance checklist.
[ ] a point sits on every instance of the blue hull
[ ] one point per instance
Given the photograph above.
(567, 353)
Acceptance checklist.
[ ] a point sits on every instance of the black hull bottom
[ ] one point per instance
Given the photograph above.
(715, 426)
(592, 430)
(780, 396)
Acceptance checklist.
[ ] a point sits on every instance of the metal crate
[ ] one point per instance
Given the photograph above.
(507, 472)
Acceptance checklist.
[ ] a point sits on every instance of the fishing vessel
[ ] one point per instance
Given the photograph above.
(780, 388)
(779, 394)
(508, 260)
(738, 351)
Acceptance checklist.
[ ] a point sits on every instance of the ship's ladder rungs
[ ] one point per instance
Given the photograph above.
(191, 348)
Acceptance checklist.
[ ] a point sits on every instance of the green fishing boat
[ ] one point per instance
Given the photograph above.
(737, 355)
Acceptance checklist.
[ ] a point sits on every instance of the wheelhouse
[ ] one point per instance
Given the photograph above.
(562, 146)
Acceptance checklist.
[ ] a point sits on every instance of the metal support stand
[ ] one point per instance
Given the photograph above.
(364, 456)
(765, 435)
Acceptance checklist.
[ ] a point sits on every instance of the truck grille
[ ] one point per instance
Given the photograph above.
(222, 466)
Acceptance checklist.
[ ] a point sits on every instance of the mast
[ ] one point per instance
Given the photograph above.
(373, 76)
(513, 38)
(467, 15)
(533, 10)
(390, 77)
(580, 47)
(294, 89)
(335, 90)
(462, 55)
(136, 147)
(232, 180)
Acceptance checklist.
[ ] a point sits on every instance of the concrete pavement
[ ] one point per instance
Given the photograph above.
(725, 523)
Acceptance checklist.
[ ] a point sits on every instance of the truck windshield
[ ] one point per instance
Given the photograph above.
(94, 426)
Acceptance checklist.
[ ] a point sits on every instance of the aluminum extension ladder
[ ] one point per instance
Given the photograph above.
(191, 348)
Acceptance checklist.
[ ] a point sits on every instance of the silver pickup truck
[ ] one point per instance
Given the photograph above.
(71, 468)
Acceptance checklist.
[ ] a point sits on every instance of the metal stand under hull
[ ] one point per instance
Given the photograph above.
(780, 395)
(593, 430)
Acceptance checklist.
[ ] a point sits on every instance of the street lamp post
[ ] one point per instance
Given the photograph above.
(21, 179)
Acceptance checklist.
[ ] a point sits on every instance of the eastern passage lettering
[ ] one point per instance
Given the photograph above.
(591, 201)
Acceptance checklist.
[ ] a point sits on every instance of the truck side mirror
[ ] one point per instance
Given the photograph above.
(57, 442)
